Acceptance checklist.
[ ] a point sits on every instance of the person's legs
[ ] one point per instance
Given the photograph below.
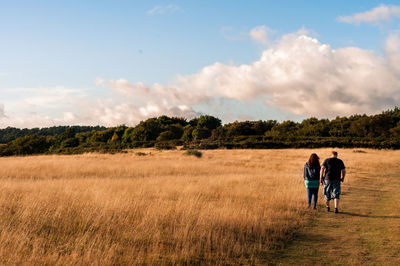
(336, 203)
(309, 195)
(327, 193)
(336, 194)
(315, 197)
(327, 205)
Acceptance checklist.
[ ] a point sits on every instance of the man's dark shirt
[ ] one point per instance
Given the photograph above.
(333, 166)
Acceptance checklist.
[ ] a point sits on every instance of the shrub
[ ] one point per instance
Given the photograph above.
(166, 135)
(165, 146)
(359, 151)
(196, 153)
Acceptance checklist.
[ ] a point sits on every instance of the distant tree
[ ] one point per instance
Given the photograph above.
(395, 131)
(187, 133)
(314, 127)
(286, 128)
(209, 122)
(10, 133)
(218, 134)
(239, 129)
(165, 136)
(260, 127)
(126, 137)
(115, 137)
(339, 127)
(166, 121)
(70, 142)
(32, 144)
(201, 133)
(147, 130)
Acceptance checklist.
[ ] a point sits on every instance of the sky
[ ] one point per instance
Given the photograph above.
(82, 62)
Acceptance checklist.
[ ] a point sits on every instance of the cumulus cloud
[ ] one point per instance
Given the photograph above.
(374, 16)
(160, 10)
(2, 114)
(38, 107)
(125, 104)
(141, 101)
(392, 50)
(260, 34)
(296, 74)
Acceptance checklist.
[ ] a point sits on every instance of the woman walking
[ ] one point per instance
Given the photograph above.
(311, 179)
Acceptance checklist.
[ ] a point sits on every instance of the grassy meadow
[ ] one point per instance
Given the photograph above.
(160, 207)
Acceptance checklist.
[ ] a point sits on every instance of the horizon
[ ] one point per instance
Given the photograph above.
(108, 64)
(222, 122)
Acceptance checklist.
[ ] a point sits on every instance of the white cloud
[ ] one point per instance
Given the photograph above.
(160, 10)
(124, 104)
(38, 107)
(296, 74)
(392, 51)
(260, 34)
(301, 75)
(373, 16)
(2, 111)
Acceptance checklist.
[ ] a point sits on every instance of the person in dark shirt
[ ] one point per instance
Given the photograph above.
(333, 172)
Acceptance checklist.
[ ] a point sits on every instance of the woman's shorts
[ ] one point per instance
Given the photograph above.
(331, 189)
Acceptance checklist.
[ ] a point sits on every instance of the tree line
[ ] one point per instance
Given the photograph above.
(207, 132)
(11, 133)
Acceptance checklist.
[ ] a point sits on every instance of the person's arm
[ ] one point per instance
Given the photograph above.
(304, 172)
(321, 178)
(343, 174)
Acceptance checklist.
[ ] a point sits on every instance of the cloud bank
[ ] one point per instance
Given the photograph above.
(297, 74)
(374, 16)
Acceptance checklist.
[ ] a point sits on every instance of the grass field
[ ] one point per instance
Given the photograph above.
(227, 207)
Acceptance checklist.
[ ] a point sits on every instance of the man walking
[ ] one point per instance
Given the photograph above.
(333, 172)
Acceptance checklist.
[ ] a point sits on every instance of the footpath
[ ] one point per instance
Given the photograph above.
(365, 232)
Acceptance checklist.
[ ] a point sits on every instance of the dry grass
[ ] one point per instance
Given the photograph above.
(365, 230)
(165, 208)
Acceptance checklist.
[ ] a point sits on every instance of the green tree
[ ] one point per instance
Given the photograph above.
(209, 122)
(187, 133)
(201, 133)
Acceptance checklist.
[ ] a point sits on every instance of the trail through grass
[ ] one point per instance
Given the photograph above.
(367, 229)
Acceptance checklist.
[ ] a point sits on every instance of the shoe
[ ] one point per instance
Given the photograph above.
(314, 208)
(336, 210)
(328, 209)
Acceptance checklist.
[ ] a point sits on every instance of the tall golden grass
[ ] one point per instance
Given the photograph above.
(230, 206)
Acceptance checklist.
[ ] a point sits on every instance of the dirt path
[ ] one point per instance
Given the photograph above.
(366, 231)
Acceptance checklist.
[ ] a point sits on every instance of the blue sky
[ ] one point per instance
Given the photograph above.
(59, 57)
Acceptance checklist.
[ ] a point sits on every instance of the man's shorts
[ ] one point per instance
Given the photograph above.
(331, 189)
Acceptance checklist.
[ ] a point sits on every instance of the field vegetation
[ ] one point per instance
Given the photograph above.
(227, 207)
